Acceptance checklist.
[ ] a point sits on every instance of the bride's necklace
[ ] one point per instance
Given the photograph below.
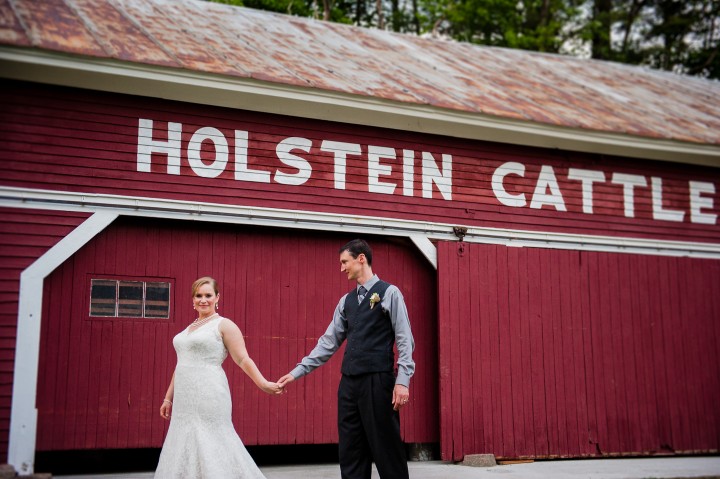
(199, 322)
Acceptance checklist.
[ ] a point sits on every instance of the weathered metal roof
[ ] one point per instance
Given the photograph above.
(280, 49)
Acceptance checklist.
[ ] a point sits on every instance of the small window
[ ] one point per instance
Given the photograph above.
(129, 299)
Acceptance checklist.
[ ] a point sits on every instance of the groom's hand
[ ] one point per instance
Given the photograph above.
(285, 380)
(401, 396)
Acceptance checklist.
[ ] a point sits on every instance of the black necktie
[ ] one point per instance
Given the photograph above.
(361, 294)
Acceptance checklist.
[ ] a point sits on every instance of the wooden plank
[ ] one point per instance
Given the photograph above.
(540, 422)
(558, 348)
(692, 344)
(576, 320)
(673, 414)
(567, 267)
(711, 281)
(444, 346)
(466, 387)
(505, 357)
(457, 309)
(656, 271)
(104, 358)
(525, 315)
(687, 343)
(637, 296)
(620, 356)
(472, 297)
(549, 354)
(515, 380)
(124, 379)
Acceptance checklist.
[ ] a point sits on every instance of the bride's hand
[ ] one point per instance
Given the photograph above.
(272, 388)
(166, 409)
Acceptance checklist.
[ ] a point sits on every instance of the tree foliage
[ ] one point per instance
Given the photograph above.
(681, 36)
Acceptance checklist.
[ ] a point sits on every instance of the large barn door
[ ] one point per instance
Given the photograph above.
(550, 353)
(102, 377)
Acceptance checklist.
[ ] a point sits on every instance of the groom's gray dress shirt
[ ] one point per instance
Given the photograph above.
(394, 304)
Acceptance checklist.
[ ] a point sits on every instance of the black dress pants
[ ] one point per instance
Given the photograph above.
(369, 428)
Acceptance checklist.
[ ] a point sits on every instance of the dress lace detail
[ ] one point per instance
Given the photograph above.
(201, 442)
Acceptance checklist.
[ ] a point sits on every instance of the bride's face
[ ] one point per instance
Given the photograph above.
(205, 300)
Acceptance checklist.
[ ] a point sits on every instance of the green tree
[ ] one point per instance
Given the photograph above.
(529, 25)
(669, 35)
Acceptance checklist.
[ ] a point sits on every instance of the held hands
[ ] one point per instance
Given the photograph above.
(285, 380)
(272, 388)
(401, 396)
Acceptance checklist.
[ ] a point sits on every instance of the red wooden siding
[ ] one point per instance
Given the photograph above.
(102, 380)
(549, 353)
(25, 235)
(85, 141)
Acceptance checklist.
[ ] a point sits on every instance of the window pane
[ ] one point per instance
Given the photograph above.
(102, 297)
(157, 300)
(130, 296)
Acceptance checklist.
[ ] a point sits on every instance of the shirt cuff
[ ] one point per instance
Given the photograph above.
(403, 380)
(298, 372)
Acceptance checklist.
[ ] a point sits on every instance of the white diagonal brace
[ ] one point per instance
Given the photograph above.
(23, 415)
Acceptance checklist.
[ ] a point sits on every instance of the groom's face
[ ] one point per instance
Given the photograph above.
(351, 266)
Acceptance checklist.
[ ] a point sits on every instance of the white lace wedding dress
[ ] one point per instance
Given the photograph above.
(201, 442)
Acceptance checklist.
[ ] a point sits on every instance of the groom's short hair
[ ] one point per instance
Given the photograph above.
(356, 247)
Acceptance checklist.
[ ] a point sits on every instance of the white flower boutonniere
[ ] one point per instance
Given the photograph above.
(374, 298)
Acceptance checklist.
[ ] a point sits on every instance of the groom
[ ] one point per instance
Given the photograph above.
(372, 317)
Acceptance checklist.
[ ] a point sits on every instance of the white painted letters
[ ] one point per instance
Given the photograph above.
(541, 197)
(283, 151)
(431, 174)
(698, 202)
(242, 172)
(660, 213)
(221, 152)
(498, 186)
(147, 146)
(408, 172)
(629, 182)
(375, 169)
(588, 177)
(421, 173)
(340, 150)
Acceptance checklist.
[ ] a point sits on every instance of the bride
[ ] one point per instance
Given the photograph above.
(201, 441)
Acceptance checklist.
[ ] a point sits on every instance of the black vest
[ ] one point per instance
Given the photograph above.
(370, 336)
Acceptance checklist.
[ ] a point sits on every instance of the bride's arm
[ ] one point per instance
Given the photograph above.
(166, 407)
(235, 344)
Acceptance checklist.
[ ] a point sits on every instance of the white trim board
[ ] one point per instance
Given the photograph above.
(23, 413)
(284, 218)
(115, 76)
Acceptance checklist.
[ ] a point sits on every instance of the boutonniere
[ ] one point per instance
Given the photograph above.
(375, 298)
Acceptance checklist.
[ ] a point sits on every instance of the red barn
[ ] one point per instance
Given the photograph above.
(551, 221)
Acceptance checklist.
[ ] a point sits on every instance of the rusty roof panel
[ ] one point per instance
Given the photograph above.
(163, 23)
(11, 31)
(224, 32)
(53, 25)
(380, 53)
(119, 35)
(302, 52)
(514, 84)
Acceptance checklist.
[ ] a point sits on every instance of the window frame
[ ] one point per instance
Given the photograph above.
(119, 278)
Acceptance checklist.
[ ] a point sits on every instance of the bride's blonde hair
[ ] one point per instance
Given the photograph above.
(205, 280)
